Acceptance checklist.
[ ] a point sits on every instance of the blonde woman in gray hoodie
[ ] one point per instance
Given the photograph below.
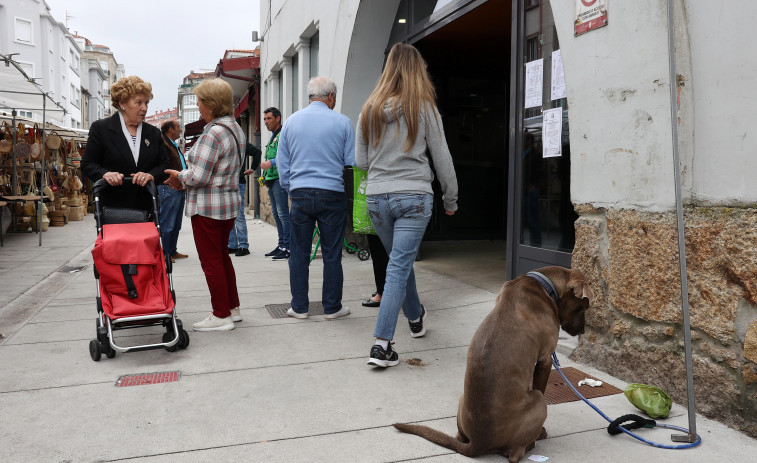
(399, 127)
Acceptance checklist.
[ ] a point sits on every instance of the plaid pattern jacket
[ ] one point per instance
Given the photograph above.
(211, 178)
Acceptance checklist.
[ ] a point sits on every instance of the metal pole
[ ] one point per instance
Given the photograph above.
(42, 172)
(692, 437)
(14, 174)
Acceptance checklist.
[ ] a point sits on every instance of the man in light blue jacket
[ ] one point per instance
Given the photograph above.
(315, 145)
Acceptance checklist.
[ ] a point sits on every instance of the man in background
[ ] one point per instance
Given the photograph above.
(171, 201)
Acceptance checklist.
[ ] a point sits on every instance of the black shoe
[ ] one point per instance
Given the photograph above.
(233, 250)
(383, 358)
(282, 255)
(371, 303)
(417, 329)
(274, 252)
(242, 252)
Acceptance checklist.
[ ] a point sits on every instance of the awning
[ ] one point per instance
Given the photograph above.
(240, 73)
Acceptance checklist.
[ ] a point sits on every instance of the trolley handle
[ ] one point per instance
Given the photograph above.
(103, 184)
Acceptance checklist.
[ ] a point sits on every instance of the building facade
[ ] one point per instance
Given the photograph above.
(49, 55)
(100, 59)
(159, 117)
(561, 131)
(188, 111)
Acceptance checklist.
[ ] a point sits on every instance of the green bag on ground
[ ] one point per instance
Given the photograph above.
(650, 399)
(361, 220)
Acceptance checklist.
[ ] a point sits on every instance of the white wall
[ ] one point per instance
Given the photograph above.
(294, 20)
(724, 81)
(619, 98)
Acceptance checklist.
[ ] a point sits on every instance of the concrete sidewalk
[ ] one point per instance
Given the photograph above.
(280, 390)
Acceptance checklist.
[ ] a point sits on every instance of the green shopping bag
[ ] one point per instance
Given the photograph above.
(649, 399)
(361, 220)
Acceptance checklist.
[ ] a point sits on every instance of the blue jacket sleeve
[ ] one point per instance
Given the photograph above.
(283, 160)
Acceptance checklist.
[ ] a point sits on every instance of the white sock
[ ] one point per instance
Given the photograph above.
(383, 343)
(416, 320)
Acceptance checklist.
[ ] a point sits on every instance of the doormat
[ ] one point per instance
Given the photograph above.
(148, 378)
(558, 392)
(280, 310)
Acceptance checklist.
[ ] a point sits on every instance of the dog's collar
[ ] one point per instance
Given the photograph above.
(546, 283)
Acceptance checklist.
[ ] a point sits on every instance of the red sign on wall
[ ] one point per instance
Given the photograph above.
(590, 15)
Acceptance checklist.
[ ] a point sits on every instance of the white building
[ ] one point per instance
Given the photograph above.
(46, 52)
(605, 202)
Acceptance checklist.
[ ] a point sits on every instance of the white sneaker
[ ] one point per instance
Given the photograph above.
(213, 323)
(294, 314)
(236, 316)
(342, 312)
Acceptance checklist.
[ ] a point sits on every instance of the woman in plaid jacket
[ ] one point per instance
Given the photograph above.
(211, 180)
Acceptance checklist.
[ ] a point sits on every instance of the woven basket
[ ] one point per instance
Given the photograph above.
(76, 213)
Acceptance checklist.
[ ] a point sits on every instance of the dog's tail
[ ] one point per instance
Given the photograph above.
(438, 438)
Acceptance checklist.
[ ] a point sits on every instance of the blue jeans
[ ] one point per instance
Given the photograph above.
(238, 235)
(400, 219)
(171, 212)
(280, 207)
(329, 209)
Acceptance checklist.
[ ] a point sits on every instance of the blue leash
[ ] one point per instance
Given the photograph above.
(649, 423)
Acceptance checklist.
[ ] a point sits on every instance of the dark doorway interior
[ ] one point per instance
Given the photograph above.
(469, 61)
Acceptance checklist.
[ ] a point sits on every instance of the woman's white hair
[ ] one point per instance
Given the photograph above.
(320, 87)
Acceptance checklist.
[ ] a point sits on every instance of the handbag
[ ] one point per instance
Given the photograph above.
(361, 219)
(6, 143)
(36, 145)
(53, 141)
(74, 157)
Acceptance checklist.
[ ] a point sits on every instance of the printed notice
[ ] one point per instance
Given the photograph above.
(534, 83)
(552, 132)
(558, 76)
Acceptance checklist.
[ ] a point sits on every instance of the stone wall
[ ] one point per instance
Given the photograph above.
(634, 330)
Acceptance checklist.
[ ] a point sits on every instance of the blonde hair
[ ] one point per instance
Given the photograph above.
(404, 82)
(217, 95)
(127, 87)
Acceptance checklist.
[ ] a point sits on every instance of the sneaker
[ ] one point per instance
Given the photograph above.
(274, 252)
(282, 255)
(233, 250)
(417, 329)
(213, 323)
(242, 252)
(342, 312)
(294, 314)
(383, 358)
(179, 255)
(236, 315)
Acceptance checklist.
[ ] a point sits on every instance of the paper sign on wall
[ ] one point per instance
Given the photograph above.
(534, 83)
(558, 76)
(590, 15)
(552, 132)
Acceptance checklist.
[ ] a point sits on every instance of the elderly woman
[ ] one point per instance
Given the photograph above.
(211, 180)
(124, 146)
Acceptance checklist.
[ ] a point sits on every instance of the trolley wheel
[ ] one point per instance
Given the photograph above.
(110, 353)
(95, 350)
(351, 247)
(168, 337)
(183, 339)
(364, 254)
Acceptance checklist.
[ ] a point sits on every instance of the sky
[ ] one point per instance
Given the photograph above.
(162, 41)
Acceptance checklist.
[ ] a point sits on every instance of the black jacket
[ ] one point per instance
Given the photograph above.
(108, 151)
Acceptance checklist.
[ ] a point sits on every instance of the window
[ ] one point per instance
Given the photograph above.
(280, 78)
(50, 40)
(28, 114)
(314, 45)
(24, 32)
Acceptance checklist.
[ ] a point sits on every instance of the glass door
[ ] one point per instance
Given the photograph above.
(540, 214)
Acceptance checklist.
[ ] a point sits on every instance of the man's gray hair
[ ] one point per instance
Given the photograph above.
(320, 87)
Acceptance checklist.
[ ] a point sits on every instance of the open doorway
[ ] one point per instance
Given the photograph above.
(469, 61)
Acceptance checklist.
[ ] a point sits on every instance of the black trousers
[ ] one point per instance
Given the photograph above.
(380, 259)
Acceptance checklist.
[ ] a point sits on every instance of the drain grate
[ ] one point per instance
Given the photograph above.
(558, 392)
(280, 310)
(148, 378)
(67, 269)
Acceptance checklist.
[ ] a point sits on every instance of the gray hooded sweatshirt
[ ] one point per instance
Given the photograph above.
(392, 170)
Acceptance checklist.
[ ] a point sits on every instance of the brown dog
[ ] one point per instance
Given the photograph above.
(502, 408)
